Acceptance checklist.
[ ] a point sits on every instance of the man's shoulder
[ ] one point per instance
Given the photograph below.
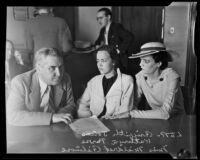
(42, 19)
(116, 25)
(57, 19)
(25, 78)
(66, 76)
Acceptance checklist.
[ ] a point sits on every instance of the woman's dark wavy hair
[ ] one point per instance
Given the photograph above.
(112, 52)
(164, 57)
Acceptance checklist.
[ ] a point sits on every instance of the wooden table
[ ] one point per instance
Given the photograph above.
(125, 136)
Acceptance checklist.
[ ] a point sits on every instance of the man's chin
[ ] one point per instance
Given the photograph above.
(55, 82)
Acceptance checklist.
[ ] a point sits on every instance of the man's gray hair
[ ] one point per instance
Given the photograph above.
(44, 52)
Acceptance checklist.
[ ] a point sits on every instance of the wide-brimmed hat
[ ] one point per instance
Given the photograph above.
(148, 49)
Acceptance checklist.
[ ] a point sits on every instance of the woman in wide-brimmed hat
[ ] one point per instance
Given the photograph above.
(157, 83)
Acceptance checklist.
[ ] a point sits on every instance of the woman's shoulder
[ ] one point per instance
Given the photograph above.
(169, 73)
(96, 78)
(139, 75)
(127, 78)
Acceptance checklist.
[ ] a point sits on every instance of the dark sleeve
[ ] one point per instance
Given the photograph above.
(100, 38)
(69, 105)
(126, 38)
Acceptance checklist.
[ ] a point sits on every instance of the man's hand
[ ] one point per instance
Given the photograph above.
(62, 117)
(97, 46)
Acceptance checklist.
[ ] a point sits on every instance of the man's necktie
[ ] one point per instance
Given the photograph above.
(48, 100)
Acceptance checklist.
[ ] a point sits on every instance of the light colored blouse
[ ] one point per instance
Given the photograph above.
(164, 97)
(119, 98)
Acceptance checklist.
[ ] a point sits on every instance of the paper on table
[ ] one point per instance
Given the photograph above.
(87, 126)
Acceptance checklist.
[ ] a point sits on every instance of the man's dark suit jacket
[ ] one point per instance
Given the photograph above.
(118, 36)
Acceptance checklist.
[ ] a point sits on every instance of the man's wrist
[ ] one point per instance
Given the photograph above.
(51, 120)
(129, 114)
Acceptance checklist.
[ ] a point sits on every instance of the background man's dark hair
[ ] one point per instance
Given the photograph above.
(106, 11)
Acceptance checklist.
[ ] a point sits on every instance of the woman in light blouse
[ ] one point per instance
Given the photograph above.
(109, 93)
(159, 84)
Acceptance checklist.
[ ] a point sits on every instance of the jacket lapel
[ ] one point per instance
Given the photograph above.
(58, 94)
(34, 95)
(102, 32)
(100, 87)
(117, 85)
(110, 33)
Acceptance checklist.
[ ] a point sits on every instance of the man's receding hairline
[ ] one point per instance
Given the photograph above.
(43, 56)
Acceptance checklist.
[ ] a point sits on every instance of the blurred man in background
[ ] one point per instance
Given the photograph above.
(45, 30)
(115, 35)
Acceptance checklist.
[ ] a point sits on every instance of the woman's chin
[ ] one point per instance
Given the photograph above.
(101, 72)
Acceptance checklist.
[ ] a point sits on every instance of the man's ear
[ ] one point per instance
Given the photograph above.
(109, 17)
(37, 67)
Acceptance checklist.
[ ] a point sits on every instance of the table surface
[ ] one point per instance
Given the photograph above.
(125, 136)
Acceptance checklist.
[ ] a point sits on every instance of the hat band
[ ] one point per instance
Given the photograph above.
(153, 48)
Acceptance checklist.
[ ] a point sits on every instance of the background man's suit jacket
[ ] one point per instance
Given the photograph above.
(47, 31)
(23, 104)
(118, 36)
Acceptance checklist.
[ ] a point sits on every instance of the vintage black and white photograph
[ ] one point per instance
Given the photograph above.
(102, 79)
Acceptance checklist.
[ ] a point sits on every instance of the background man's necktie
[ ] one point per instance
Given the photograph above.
(106, 38)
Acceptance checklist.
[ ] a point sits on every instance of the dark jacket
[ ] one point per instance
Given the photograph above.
(117, 35)
(120, 39)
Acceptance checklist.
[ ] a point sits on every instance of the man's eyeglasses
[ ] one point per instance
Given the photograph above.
(100, 18)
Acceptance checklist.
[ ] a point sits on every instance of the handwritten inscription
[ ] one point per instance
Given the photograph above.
(104, 148)
(134, 134)
(123, 141)
(170, 134)
(162, 149)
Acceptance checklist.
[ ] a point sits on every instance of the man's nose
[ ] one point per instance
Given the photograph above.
(58, 72)
(100, 64)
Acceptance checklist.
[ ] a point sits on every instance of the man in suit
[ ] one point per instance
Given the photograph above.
(45, 30)
(115, 35)
(43, 95)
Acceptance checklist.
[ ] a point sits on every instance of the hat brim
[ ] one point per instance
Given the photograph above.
(144, 53)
